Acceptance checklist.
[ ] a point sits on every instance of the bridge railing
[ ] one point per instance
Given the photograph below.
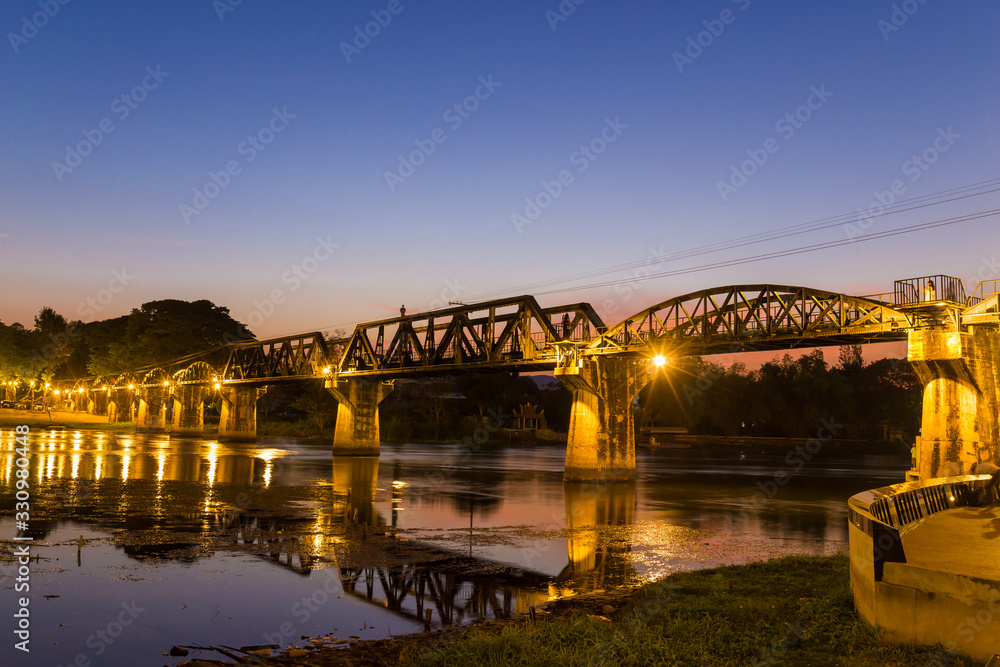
(929, 289)
(983, 291)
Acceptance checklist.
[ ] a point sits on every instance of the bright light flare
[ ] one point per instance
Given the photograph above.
(659, 361)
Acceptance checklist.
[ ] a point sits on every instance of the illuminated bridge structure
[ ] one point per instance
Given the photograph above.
(953, 344)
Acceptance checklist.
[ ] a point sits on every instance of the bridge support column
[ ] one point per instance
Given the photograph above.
(357, 432)
(601, 442)
(239, 413)
(189, 409)
(98, 404)
(960, 372)
(79, 400)
(152, 410)
(120, 403)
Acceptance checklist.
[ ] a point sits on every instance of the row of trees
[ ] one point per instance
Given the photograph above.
(159, 331)
(787, 397)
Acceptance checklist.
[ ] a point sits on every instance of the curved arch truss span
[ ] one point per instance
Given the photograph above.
(754, 317)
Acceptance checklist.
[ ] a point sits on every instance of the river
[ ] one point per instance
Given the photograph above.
(149, 541)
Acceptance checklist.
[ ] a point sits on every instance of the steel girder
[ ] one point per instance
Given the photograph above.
(298, 357)
(512, 333)
(519, 335)
(753, 317)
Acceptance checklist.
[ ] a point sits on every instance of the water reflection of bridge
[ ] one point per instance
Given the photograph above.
(410, 577)
(187, 499)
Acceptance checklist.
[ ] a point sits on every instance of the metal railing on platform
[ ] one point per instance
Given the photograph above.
(929, 289)
(985, 290)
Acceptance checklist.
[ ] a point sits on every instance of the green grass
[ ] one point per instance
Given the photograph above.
(795, 610)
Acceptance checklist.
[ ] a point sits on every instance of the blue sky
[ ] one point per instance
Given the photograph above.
(311, 233)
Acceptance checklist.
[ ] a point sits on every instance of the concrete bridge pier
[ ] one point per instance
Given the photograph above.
(357, 429)
(960, 372)
(80, 401)
(120, 403)
(98, 403)
(239, 413)
(601, 442)
(152, 416)
(189, 409)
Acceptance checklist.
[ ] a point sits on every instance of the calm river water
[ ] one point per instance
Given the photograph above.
(192, 541)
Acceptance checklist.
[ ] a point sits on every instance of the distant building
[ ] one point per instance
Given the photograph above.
(528, 417)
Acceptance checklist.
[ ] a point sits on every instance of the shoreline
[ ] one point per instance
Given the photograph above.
(788, 610)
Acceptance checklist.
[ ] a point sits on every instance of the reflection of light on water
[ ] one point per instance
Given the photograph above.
(270, 453)
(397, 484)
(76, 466)
(268, 456)
(8, 468)
(50, 467)
(212, 460)
(98, 462)
(126, 460)
(162, 460)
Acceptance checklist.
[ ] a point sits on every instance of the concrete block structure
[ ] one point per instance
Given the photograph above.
(357, 428)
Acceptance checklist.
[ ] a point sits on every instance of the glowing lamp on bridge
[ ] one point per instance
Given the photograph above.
(217, 385)
(56, 392)
(166, 384)
(131, 386)
(326, 371)
(659, 361)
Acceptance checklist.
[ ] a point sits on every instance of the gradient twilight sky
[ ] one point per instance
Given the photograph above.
(446, 231)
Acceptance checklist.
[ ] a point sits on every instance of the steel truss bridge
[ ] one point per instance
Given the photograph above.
(520, 335)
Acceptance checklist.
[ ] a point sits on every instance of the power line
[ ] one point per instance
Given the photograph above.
(902, 206)
(792, 251)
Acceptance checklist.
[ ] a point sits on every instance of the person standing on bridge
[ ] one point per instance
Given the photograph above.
(929, 291)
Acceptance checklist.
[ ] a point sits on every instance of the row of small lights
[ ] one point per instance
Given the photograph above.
(659, 361)
(14, 383)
